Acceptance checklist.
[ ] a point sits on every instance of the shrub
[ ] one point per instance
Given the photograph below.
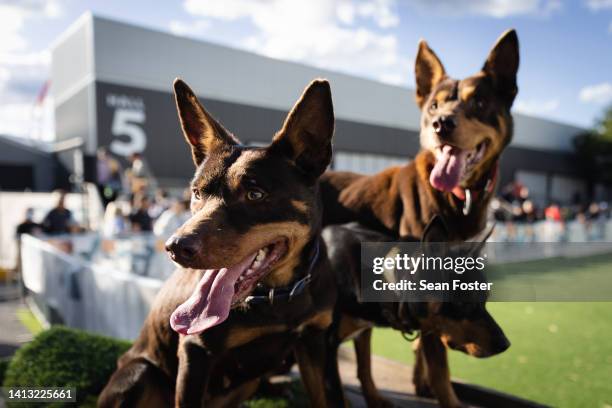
(4, 362)
(63, 357)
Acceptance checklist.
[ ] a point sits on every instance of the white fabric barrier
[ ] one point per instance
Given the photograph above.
(551, 231)
(87, 296)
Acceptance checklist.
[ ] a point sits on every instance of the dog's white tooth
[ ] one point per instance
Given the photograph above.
(261, 254)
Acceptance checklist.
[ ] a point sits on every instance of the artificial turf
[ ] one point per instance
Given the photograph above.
(561, 352)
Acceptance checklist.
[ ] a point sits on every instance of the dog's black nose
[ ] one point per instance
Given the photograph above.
(444, 126)
(500, 344)
(181, 249)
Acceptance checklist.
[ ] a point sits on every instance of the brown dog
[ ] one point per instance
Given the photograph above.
(465, 125)
(255, 283)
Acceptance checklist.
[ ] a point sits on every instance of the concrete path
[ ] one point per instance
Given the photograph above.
(13, 334)
(393, 379)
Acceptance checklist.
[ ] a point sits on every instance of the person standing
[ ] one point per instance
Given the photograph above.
(139, 218)
(59, 220)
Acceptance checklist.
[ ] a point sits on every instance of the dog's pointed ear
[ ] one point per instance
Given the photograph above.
(435, 234)
(428, 71)
(435, 231)
(308, 129)
(502, 65)
(201, 130)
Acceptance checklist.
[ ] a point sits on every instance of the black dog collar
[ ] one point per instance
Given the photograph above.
(262, 294)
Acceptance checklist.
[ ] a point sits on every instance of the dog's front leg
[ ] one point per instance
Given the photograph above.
(319, 369)
(195, 365)
(438, 374)
(363, 353)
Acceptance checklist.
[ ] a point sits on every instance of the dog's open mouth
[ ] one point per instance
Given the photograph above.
(220, 289)
(453, 164)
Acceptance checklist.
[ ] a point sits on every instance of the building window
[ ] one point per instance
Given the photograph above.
(365, 163)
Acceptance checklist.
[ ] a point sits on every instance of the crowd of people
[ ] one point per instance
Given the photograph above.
(59, 220)
(131, 201)
(133, 204)
(514, 204)
(523, 220)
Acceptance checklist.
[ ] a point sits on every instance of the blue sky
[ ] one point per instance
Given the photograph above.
(566, 46)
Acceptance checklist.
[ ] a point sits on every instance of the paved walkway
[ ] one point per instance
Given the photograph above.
(393, 379)
(13, 334)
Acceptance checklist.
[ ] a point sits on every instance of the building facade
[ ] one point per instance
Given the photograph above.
(112, 87)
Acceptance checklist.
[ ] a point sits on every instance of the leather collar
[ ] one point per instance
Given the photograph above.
(263, 294)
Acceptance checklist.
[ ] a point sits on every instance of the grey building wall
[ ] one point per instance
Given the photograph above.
(113, 88)
(15, 160)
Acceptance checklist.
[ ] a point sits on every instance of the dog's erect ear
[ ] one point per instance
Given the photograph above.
(502, 65)
(435, 231)
(308, 129)
(428, 70)
(201, 130)
(435, 234)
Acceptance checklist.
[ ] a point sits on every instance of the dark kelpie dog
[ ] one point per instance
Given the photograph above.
(255, 283)
(465, 126)
(465, 326)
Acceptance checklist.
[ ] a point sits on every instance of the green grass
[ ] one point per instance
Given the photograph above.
(561, 353)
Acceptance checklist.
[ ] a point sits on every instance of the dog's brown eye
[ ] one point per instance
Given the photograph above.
(255, 194)
(196, 193)
(434, 105)
(478, 103)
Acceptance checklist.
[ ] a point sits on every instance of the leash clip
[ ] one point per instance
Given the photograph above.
(467, 206)
(271, 296)
(410, 336)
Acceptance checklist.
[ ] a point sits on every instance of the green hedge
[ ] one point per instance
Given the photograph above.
(61, 357)
(67, 357)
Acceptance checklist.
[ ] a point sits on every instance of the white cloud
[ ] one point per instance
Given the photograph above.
(490, 8)
(536, 107)
(600, 94)
(326, 33)
(597, 5)
(22, 69)
(381, 11)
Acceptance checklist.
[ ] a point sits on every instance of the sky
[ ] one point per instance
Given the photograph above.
(566, 46)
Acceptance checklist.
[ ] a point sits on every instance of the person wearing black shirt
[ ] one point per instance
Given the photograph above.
(59, 220)
(139, 218)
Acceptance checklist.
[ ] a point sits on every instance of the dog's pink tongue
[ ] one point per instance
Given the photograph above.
(210, 302)
(447, 172)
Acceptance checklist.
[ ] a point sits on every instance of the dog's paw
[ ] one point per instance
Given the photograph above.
(422, 389)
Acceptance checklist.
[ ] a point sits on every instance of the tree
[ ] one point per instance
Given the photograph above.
(594, 150)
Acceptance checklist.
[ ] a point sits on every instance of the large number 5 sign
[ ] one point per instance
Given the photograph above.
(126, 124)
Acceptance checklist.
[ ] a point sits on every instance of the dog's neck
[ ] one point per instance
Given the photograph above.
(303, 275)
(485, 184)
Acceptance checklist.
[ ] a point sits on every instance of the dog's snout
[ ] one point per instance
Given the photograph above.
(444, 126)
(181, 249)
(500, 344)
